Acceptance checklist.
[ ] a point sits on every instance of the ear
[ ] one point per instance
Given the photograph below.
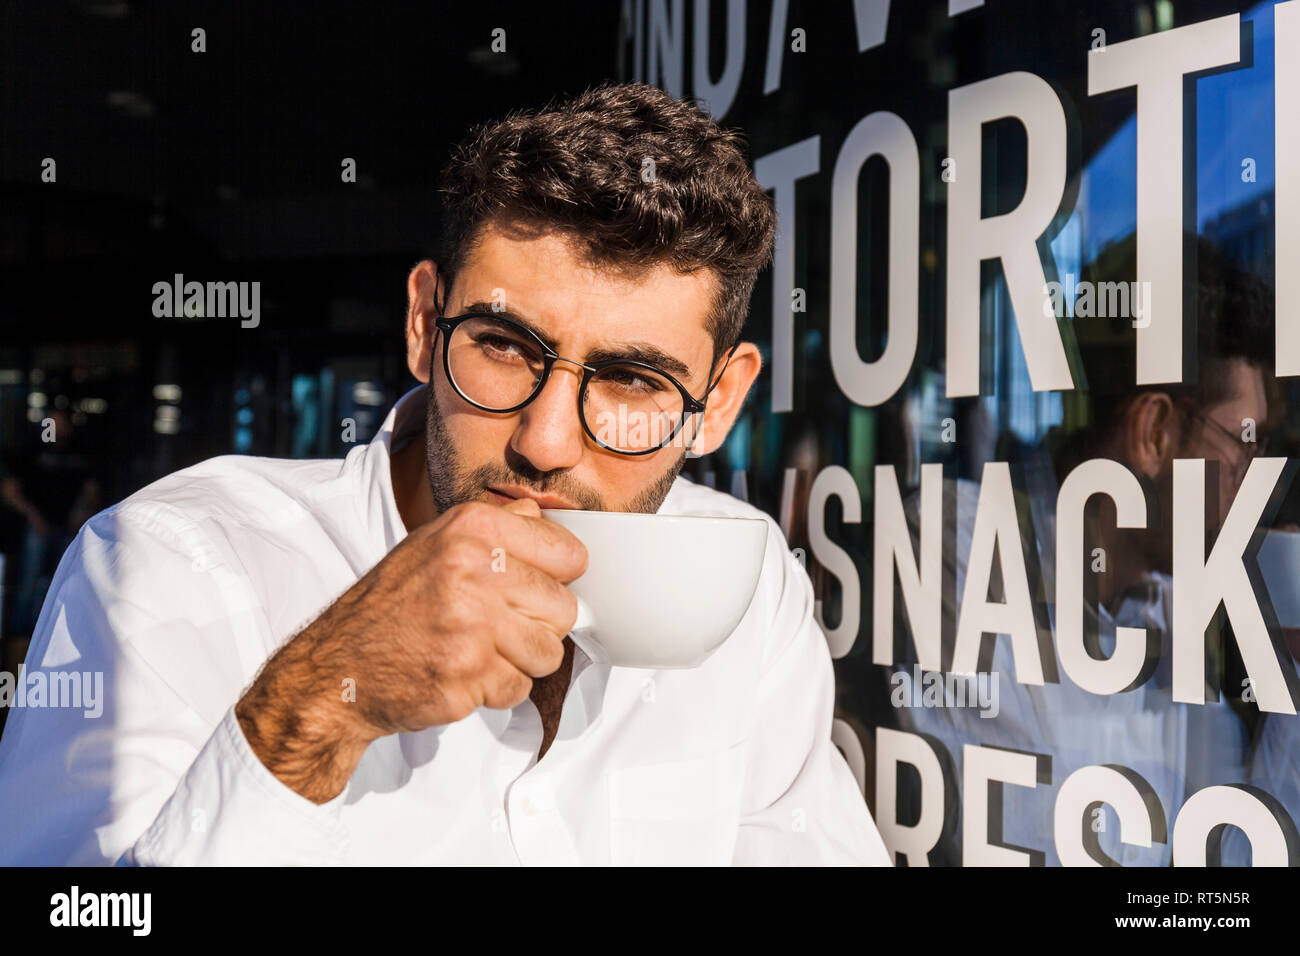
(727, 398)
(424, 289)
(1151, 433)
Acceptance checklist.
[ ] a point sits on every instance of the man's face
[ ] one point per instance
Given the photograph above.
(1157, 433)
(542, 448)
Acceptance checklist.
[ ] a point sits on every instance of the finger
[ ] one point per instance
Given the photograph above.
(505, 686)
(525, 535)
(534, 596)
(535, 650)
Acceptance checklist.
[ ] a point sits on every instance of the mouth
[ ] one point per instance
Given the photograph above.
(510, 493)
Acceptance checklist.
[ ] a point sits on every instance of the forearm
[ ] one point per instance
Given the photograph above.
(298, 724)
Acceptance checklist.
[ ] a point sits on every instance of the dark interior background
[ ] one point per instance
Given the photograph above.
(226, 166)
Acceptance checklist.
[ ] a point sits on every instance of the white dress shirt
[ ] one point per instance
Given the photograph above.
(179, 593)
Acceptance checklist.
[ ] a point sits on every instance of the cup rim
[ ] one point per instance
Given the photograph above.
(642, 516)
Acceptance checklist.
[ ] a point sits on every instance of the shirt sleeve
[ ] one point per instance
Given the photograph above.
(802, 805)
(149, 765)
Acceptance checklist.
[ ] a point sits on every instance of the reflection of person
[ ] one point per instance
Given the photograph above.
(52, 485)
(1177, 748)
(436, 710)
(1274, 764)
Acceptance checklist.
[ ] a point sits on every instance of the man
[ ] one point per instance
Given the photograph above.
(1177, 748)
(432, 709)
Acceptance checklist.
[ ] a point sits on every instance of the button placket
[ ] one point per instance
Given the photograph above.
(537, 829)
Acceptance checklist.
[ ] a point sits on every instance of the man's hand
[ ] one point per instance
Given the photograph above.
(462, 614)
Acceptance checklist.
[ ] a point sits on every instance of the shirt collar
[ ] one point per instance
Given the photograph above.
(404, 421)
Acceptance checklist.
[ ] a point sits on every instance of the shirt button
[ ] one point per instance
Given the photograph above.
(527, 806)
(1130, 854)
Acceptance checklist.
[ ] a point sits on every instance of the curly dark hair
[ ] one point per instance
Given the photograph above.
(636, 177)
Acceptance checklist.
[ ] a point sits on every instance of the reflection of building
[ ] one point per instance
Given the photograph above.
(1246, 234)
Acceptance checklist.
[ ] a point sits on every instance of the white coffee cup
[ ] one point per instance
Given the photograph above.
(661, 591)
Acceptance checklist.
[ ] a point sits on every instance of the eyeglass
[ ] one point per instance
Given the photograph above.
(626, 406)
(1241, 462)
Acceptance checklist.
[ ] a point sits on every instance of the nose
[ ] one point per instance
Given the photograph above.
(549, 434)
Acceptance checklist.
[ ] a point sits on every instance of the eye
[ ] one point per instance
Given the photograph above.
(634, 380)
(500, 346)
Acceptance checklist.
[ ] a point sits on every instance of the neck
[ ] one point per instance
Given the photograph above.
(411, 484)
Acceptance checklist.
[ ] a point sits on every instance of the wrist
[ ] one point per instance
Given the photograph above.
(309, 743)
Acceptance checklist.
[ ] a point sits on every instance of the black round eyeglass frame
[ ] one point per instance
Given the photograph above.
(690, 405)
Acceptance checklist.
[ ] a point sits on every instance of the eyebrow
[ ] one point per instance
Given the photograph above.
(626, 351)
